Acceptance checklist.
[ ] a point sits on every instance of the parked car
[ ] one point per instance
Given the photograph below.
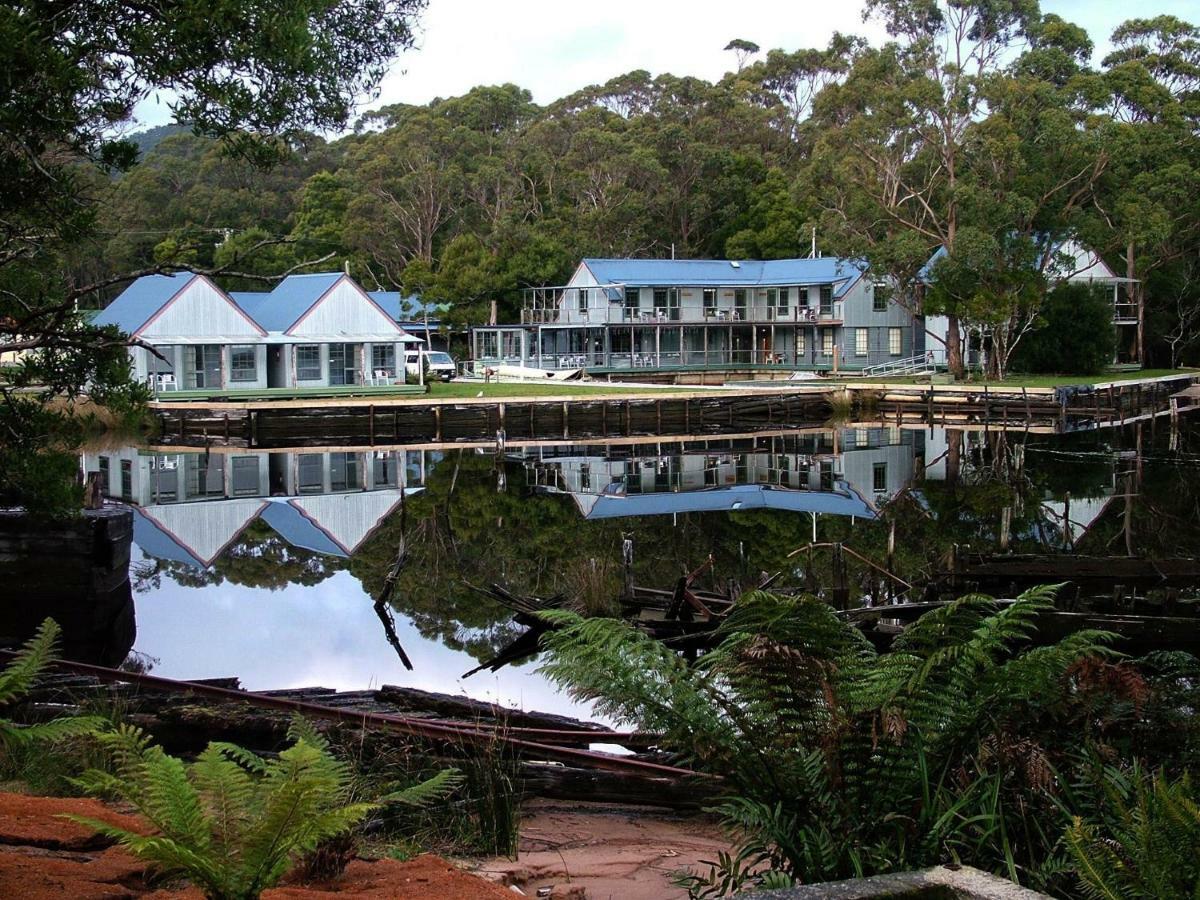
(438, 364)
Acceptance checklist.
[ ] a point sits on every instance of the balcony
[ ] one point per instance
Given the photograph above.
(687, 314)
(1125, 313)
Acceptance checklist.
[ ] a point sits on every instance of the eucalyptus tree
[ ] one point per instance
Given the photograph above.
(1148, 212)
(891, 155)
(253, 72)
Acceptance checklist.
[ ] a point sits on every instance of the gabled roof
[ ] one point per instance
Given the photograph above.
(287, 303)
(1069, 246)
(720, 272)
(842, 502)
(139, 302)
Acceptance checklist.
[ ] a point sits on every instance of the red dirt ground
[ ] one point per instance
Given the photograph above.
(43, 857)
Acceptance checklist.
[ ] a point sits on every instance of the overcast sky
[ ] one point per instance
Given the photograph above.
(554, 47)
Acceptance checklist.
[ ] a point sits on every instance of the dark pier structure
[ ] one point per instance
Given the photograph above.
(273, 425)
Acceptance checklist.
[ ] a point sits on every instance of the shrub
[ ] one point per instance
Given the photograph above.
(1074, 334)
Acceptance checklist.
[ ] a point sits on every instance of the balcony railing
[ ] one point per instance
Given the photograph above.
(1125, 312)
(672, 359)
(682, 315)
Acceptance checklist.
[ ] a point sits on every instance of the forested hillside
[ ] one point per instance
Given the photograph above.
(887, 152)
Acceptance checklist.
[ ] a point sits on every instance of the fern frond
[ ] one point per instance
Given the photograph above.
(19, 675)
(432, 789)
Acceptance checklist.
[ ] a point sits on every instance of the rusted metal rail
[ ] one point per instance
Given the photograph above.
(526, 745)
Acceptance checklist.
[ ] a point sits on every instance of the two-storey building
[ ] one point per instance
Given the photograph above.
(817, 314)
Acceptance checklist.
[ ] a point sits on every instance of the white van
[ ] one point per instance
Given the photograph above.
(438, 364)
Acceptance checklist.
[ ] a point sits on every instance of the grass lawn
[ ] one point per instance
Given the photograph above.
(1105, 378)
(1030, 381)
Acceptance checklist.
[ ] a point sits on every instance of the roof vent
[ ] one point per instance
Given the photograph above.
(735, 263)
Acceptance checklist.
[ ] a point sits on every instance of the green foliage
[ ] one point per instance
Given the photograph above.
(16, 679)
(232, 821)
(843, 761)
(1144, 845)
(250, 72)
(1074, 332)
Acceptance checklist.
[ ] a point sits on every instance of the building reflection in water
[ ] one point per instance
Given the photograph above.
(190, 507)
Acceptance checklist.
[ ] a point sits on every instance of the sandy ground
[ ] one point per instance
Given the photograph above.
(612, 852)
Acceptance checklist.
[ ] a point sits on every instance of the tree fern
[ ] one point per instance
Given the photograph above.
(15, 681)
(847, 761)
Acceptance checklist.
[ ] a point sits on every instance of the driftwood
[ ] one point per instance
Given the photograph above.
(184, 724)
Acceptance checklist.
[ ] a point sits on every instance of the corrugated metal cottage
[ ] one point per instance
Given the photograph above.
(310, 331)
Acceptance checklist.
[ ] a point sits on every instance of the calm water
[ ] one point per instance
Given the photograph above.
(264, 565)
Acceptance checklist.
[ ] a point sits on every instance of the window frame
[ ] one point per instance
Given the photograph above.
(238, 373)
(709, 301)
(828, 345)
(302, 367)
(826, 295)
(377, 366)
(862, 341)
(879, 477)
(895, 341)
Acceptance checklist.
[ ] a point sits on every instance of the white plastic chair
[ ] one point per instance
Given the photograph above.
(165, 381)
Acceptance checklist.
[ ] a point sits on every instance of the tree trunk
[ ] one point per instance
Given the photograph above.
(954, 355)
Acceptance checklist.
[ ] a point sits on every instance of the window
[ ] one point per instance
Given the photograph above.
(104, 489)
(126, 479)
(512, 344)
(827, 342)
(879, 477)
(243, 363)
(308, 362)
(489, 345)
(660, 301)
(633, 300)
(673, 304)
(310, 474)
(583, 299)
(344, 360)
(781, 307)
(895, 341)
(827, 299)
(710, 301)
(801, 343)
(860, 341)
(343, 471)
(156, 365)
(385, 469)
(383, 359)
(207, 366)
(879, 298)
(739, 303)
(802, 296)
(244, 472)
(772, 299)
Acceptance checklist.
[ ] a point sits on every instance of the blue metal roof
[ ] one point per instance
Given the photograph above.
(844, 502)
(291, 524)
(721, 272)
(142, 299)
(280, 309)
